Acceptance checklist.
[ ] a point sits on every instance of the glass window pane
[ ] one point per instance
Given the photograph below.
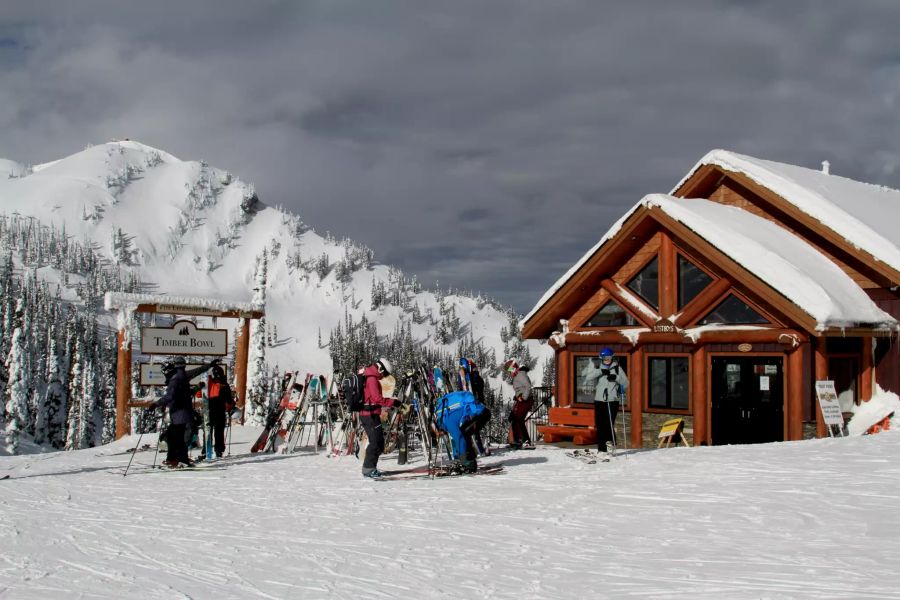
(658, 374)
(611, 315)
(646, 283)
(733, 311)
(669, 383)
(680, 381)
(691, 281)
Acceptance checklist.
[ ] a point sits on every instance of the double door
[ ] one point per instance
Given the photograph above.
(747, 399)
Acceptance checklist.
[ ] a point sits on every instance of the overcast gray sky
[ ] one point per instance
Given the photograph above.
(486, 145)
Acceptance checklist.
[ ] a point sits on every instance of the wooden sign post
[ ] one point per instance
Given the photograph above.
(673, 429)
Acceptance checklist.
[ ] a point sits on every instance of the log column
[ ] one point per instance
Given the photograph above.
(699, 397)
(123, 385)
(636, 397)
(668, 273)
(821, 374)
(867, 370)
(565, 393)
(241, 358)
(793, 410)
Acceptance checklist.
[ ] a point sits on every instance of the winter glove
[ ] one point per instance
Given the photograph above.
(611, 377)
(396, 404)
(152, 406)
(214, 362)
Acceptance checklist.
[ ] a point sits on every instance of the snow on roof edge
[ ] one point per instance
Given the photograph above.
(798, 194)
(119, 300)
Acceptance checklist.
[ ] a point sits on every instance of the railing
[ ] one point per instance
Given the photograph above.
(543, 400)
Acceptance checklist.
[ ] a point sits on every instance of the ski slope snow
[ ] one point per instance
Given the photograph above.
(813, 519)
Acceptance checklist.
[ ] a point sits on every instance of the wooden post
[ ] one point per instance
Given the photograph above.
(821, 374)
(699, 397)
(668, 273)
(241, 358)
(636, 397)
(564, 381)
(867, 371)
(123, 386)
(793, 410)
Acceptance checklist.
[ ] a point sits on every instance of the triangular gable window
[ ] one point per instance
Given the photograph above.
(611, 315)
(691, 281)
(646, 283)
(733, 311)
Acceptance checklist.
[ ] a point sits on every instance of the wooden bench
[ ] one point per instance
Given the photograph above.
(566, 423)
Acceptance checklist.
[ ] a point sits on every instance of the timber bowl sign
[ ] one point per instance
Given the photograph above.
(184, 338)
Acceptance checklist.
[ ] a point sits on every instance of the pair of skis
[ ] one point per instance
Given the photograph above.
(266, 440)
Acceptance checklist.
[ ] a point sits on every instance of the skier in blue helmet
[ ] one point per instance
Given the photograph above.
(611, 383)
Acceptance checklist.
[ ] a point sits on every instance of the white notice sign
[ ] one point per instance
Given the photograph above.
(764, 383)
(184, 338)
(828, 402)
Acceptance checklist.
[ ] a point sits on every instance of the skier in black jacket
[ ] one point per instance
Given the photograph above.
(179, 400)
(219, 394)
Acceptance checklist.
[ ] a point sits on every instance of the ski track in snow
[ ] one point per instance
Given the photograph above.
(816, 519)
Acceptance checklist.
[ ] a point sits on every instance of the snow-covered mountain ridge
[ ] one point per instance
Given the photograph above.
(190, 229)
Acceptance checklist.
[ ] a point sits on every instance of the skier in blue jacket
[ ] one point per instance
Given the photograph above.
(462, 416)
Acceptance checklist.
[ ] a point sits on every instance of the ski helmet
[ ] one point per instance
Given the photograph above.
(179, 362)
(385, 366)
(464, 363)
(606, 353)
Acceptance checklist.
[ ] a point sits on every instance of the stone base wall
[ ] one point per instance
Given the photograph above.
(652, 422)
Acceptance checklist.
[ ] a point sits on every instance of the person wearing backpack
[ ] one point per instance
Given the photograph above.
(370, 415)
(611, 383)
(219, 396)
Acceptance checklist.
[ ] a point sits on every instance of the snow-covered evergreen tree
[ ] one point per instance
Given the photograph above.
(256, 408)
(54, 400)
(76, 380)
(16, 392)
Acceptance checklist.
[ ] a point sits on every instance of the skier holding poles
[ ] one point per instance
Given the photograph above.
(611, 384)
(370, 415)
(178, 399)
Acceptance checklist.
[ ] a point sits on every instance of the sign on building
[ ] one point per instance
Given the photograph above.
(184, 338)
(831, 408)
(151, 373)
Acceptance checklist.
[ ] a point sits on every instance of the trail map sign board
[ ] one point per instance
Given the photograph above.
(828, 402)
(151, 373)
(184, 338)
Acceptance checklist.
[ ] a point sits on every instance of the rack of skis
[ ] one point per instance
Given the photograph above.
(312, 413)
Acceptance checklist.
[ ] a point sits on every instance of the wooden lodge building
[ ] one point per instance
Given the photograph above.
(727, 299)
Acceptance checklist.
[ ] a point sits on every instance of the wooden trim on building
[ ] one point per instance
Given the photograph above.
(635, 396)
(668, 277)
(867, 370)
(821, 373)
(700, 384)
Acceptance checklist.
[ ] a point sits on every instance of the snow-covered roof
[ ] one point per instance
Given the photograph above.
(865, 215)
(785, 262)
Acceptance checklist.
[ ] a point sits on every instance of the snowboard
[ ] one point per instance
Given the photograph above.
(438, 380)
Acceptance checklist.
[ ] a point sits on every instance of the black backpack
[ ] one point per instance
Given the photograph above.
(353, 388)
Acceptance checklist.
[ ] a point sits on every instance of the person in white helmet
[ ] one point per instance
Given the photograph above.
(370, 415)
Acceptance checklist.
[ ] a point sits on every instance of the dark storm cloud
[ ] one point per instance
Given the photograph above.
(486, 145)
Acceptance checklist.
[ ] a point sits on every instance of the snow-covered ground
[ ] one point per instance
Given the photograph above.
(813, 519)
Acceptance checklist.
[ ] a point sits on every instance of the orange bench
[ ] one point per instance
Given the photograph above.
(576, 424)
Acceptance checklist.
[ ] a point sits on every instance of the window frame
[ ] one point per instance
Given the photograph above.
(636, 272)
(770, 322)
(713, 278)
(637, 321)
(669, 410)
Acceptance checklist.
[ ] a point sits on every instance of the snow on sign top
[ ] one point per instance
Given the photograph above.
(782, 260)
(865, 215)
(176, 304)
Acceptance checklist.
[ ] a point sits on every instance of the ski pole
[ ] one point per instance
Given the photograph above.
(612, 427)
(624, 430)
(125, 474)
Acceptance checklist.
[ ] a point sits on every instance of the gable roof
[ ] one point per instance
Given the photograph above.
(773, 255)
(864, 215)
